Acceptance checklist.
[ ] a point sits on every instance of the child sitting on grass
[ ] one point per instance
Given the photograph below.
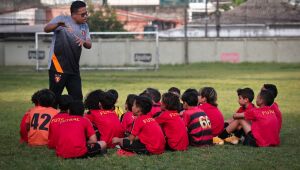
(171, 123)
(39, 118)
(128, 118)
(208, 103)
(77, 138)
(64, 102)
(273, 89)
(245, 98)
(117, 109)
(146, 136)
(263, 130)
(23, 127)
(176, 91)
(196, 121)
(155, 96)
(103, 116)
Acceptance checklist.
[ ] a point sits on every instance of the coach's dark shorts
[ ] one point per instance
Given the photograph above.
(136, 146)
(250, 140)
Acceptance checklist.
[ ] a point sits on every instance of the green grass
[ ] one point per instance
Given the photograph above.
(18, 84)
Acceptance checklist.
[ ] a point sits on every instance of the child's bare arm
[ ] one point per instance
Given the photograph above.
(92, 139)
(238, 116)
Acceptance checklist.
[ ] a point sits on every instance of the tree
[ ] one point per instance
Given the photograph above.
(104, 20)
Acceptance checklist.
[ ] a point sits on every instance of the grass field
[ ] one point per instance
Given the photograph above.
(18, 84)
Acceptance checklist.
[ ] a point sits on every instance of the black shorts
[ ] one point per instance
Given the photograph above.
(72, 82)
(93, 150)
(250, 140)
(137, 146)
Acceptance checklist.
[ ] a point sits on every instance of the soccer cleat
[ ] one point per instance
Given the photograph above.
(232, 139)
(218, 141)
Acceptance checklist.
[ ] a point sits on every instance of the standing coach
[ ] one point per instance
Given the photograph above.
(70, 34)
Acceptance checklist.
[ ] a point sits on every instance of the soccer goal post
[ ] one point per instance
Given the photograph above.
(110, 51)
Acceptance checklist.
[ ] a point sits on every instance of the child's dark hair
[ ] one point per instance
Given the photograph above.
(144, 103)
(174, 90)
(191, 90)
(130, 100)
(171, 101)
(246, 93)
(92, 100)
(272, 88)
(210, 94)
(64, 102)
(114, 94)
(46, 98)
(154, 93)
(145, 94)
(76, 108)
(267, 97)
(190, 97)
(35, 98)
(76, 5)
(107, 101)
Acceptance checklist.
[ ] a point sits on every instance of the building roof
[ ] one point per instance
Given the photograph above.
(261, 12)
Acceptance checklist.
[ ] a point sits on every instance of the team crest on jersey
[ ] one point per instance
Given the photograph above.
(83, 32)
(57, 78)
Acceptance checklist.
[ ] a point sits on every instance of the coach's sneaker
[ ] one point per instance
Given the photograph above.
(218, 141)
(232, 139)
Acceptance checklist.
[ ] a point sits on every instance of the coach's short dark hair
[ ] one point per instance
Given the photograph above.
(171, 101)
(144, 103)
(267, 97)
(129, 101)
(64, 102)
(76, 108)
(46, 98)
(246, 93)
(190, 97)
(76, 5)
(272, 88)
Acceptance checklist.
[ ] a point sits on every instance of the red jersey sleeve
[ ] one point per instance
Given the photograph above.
(89, 130)
(250, 114)
(161, 118)
(23, 128)
(186, 118)
(137, 126)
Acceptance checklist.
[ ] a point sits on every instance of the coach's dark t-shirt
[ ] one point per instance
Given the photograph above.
(65, 53)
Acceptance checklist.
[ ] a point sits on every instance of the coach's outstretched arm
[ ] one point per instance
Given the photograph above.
(51, 27)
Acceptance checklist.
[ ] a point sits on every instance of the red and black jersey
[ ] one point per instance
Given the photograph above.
(39, 119)
(73, 133)
(244, 109)
(174, 129)
(150, 134)
(23, 127)
(199, 127)
(108, 125)
(215, 116)
(265, 126)
(54, 129)
(278, 113)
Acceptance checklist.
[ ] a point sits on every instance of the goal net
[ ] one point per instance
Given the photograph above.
(110, 51)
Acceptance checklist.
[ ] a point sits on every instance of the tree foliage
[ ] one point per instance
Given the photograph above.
(104, 20)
